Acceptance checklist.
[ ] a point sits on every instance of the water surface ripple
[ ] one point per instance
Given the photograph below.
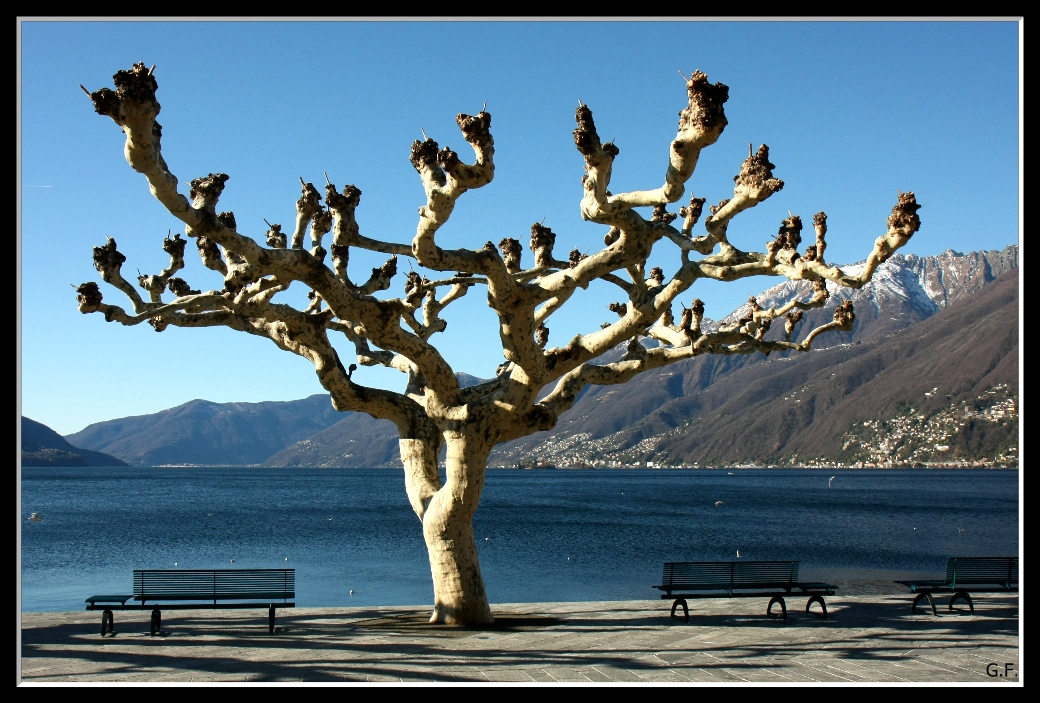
(543, 535)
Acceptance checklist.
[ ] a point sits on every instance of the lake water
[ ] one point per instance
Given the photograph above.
(543, 535)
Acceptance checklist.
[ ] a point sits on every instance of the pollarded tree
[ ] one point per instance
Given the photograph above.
(434, 412)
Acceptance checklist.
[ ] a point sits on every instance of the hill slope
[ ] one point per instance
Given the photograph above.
(204, 433)
(792, 409)
(42, 446)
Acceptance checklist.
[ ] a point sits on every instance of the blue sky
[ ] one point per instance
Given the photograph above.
(851, 111)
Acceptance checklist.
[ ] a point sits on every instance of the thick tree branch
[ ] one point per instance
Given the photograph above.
(132, 105)
(700, 125)
(637, 360)
(445, 178)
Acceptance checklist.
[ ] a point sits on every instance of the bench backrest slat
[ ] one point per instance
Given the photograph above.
(217, 583)
(729, 574)
(981, 570)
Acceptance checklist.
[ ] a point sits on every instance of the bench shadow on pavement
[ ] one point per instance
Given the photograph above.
(378, 644)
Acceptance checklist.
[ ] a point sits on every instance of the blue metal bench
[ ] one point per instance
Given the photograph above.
(740, 579)
(966, 574)
(192, 589)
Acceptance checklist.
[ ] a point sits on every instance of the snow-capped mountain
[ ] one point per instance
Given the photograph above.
(911, 284)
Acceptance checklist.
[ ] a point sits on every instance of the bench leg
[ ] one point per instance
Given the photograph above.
(931, 602)
(270, 620)
(156, 622)
(783, 606)
(817, 599)
(682, 602)
(106, 619)
(965, 596)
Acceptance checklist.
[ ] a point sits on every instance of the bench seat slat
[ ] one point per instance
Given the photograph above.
(224, 605)
(736, 578)
(109, 598)
(729, 575)
(973, 574)
(220, 596)
(776, 580)
(214, 584)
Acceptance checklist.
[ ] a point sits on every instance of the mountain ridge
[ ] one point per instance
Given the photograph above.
(804, 404)
(199, 431)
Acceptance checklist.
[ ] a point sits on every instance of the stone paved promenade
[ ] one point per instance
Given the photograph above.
(865, 639)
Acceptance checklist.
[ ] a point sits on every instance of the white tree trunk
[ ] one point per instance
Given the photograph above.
(458, 587)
